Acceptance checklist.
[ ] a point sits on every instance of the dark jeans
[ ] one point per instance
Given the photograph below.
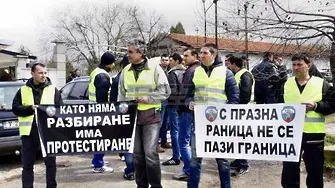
(174, 130)
(186, 121)
(129, 163)
(146, 158)
(98, 160)
(195, 169)
(30, 144)
(314, 160)
(164, 123)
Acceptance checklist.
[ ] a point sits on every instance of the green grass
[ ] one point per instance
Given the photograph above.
(329, 140)
(330, 119)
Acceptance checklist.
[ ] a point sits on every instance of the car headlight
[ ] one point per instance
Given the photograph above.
(1, 125)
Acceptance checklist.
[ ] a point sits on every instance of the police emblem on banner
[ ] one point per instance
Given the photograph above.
(211, 113)
(51, 111)
(123, 108)
(288, 113)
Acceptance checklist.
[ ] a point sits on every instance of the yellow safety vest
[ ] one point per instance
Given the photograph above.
(27, 96)
(91, 88)
(314, 122)
(144, 85)
(238, 80)
(210, 89)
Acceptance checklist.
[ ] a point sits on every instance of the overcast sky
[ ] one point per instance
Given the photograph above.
(21, 20)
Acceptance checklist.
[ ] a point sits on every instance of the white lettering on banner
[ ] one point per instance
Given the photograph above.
(72, 109)
(98, 108)
(257, 132)
(88, 133)
(102, 145)
(89, 121)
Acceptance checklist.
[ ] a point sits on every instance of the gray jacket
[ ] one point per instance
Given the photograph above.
(161, 92)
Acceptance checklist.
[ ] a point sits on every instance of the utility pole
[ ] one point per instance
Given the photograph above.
(246, 31)
(205, 16)
(216, 23)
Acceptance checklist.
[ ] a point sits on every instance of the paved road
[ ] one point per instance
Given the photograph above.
(75, 172)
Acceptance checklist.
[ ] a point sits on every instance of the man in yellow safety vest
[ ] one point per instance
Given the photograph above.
(318, 97)
(146, 83)
(245, 82)
(38, 90)
(99, 91)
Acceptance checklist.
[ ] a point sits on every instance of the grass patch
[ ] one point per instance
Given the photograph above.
(329, 140)
(330, 118)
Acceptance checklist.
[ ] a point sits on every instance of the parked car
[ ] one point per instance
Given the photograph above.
(327, 75)
(10, 141)
(76, 91)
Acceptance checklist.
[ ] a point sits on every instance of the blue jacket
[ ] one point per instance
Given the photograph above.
(231, 88)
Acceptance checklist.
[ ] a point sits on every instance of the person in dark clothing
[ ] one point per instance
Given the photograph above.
(175, 76)
(282, 72)
(319, 98)
(245, 83)
(129, 170)
(164, 144)
(73, 74)
(313, 71)
(40, 88)
(99, 88)
(186, 117)
(6, 76)
(266, 78)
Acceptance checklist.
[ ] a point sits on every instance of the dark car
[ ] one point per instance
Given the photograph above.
(10, 141)
(76, 91)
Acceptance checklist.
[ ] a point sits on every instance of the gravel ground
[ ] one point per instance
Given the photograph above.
(75, 172)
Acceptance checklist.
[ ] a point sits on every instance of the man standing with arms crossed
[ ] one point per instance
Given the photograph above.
(211, 83)
(98, 89)
(147, 84)
(38, 90)
(245, 83)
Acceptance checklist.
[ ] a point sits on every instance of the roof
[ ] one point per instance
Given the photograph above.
(17, 54)
(239, 45)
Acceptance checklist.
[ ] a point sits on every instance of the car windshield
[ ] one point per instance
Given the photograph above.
(7, 94)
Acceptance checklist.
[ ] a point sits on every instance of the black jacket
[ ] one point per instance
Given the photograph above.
(175, 76)
(245, 87)
(266, 79)
(314, 71)
(20, 110)
(102, 85)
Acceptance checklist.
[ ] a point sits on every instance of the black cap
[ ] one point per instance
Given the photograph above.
(107, 58)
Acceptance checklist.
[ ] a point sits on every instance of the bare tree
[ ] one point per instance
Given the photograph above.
(149, 26)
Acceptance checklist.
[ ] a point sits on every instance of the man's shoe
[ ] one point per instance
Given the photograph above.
(106, 163)
(233, 164)
(181, 176)
(129, 176)
(166, 145)
(103, 169)
(240, 172)
(171, 162)
(160, 149)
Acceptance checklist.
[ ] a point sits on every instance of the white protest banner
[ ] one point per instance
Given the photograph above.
(258, 132)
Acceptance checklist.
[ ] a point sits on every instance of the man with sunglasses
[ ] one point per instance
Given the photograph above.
(147, 84)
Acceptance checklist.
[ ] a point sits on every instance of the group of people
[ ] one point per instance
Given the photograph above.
(169, 91)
